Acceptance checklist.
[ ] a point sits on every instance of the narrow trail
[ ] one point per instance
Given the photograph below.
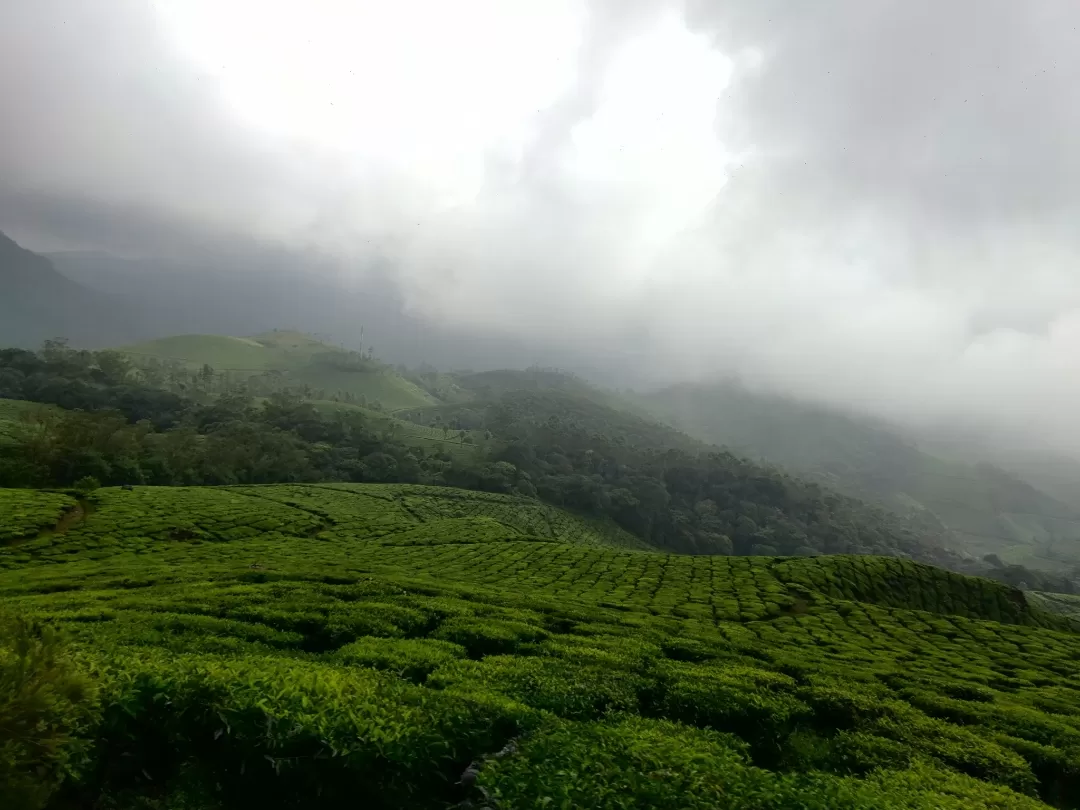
(71, 518)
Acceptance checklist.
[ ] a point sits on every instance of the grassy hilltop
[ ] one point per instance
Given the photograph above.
(301, 359)
(388, 646)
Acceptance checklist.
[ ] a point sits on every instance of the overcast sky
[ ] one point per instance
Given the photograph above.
(860, 201)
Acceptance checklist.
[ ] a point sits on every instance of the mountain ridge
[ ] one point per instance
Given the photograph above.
(40, 303)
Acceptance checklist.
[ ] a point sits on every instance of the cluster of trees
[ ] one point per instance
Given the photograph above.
(113, 427)
(676, 494)
(208, 382)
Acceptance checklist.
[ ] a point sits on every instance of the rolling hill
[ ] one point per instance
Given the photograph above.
(389, 646)
(989, 509)
(300, 359)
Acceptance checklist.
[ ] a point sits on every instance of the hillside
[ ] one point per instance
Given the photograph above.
(669, 490)
(165, 424)
(39, 304)
(297, 359)
(464, 443)
(12, 412)
(397, 647)
(989, 509)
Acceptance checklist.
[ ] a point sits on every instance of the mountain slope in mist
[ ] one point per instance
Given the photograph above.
(38, 303)
(288, 358)
(257, 290)
(990, 510)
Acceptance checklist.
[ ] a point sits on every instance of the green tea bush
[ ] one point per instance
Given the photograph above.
(24, 513)
(643, 764)
(484, 636)
(564, 688)
(281, 733)
(758, 705)
(411, 658)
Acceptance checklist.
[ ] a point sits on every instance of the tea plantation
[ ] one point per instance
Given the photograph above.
(394, 646)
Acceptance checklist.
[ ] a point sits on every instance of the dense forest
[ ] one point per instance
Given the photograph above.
(101, 419)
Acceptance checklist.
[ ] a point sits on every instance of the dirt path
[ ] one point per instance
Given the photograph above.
(72, 517)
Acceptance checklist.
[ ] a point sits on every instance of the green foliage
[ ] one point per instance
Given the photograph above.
(25, 513)
(486, 636)
(645, 764)
(988, 509)
(411, 658)
(276, 732)
(747, 701)
(332, 644)
(563, 687)
(292, 358)
(87, 483)
(45, 708)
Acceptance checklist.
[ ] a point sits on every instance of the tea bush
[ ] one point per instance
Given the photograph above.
(24, 513)
(393, 646)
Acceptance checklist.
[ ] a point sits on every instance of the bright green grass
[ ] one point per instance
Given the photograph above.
(383, 386)
(288, 352)
(220, 351)
(343, 646)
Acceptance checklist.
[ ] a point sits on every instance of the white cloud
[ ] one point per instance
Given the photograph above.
(861, 202)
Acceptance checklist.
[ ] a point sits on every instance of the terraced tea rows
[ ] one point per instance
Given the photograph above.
(400, 647)
(147, 519)
(380, 510)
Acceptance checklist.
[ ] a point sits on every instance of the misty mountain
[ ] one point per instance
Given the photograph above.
(990, 509)
(251, 292)
(39, 303)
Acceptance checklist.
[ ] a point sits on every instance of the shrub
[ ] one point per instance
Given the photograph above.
(565, 688)
(638, 764)
(483, 636)
(87, 484)
(758, 705)
(44, 707)
(277, 733)
(410, 658)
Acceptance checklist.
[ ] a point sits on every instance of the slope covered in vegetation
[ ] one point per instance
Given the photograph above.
(38, 303)
(667, 489)
(288, 358)
(988, 509)
(387, 646)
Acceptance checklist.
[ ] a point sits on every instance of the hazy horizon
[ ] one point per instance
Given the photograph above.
(868, 204)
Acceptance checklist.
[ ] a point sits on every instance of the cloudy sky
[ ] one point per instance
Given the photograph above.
(861, 201)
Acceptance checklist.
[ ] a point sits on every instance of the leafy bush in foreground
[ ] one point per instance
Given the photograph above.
(44, 707)
(280, 733)
(645, 764)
